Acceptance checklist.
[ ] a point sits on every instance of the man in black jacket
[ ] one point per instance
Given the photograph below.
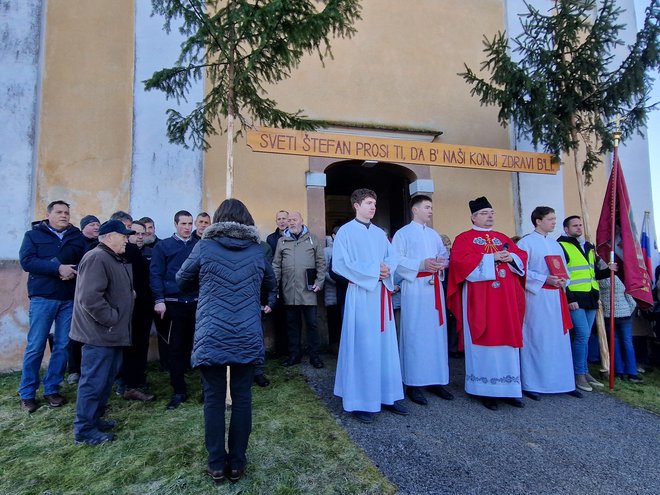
(278, 316)
(171, 303)
(50, 253)
(134, 364)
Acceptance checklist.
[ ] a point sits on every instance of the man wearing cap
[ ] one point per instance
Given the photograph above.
(102, 311)
(486, 294)
(50, 253)
(89, 226)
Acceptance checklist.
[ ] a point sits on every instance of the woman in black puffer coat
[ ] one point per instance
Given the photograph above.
(229, 267)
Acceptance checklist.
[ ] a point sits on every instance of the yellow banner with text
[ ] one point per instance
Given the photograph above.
(352, 147)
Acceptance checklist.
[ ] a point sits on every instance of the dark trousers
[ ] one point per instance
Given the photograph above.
(260, 368)
(75, 356)
(452, 335)
(98, 369)
(280, 333)
(214, 380)
(334, 323)
(181, 331)
(162, 329)
(294, 316)
(134, 366)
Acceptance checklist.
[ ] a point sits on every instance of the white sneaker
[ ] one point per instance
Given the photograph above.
(593, 382)
(73, 378)
(582, 383)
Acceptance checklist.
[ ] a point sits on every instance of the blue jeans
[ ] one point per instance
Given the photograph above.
(593, 354)
(583, 321)
(627, 362)
(98, 369)
(43, 313)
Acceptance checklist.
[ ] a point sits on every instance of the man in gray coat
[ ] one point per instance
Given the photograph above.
(102, 310)
(299, 266)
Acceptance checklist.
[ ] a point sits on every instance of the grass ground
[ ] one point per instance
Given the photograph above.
(296, 446)
(645, 395)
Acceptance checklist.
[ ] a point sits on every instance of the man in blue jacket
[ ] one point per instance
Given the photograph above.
(175, 307)
(50, 253)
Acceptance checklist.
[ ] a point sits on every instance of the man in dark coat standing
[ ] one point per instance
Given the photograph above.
(172, 304)
(50, 253)
(102, 311)
(278, 316)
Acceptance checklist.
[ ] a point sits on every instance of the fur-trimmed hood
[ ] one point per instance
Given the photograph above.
(232, 229)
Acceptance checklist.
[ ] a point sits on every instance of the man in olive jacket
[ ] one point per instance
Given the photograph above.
(102, 310)
(299, 265)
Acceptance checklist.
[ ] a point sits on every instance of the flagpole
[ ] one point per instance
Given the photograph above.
(615, 170)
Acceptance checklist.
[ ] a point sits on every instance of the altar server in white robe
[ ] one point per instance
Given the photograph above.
(423, 258)
(546, 360)
(368, 375)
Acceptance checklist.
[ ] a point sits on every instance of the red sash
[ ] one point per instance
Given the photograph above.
(565, 312)
(385, 297)
(436, 288)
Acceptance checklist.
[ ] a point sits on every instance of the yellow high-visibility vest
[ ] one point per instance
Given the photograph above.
(580, 269)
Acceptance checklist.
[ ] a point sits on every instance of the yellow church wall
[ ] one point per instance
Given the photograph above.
(86, 116)
(399, 70)
(266, 183)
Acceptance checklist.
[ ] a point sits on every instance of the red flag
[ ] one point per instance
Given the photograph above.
(628, 253)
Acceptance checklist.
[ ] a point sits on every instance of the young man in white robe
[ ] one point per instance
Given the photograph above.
(368, 371)
(423, 331)
(546, 359)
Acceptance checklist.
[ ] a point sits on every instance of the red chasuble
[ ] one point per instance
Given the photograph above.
(496, 308)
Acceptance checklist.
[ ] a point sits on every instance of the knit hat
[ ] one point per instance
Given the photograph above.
(479, 204)
(86, 220)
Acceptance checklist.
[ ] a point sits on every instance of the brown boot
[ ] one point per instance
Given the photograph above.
(137, 394)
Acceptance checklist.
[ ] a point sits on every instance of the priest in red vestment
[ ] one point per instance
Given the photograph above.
(486, 294)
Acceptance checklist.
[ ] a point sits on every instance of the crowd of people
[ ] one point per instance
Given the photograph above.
(520, 313)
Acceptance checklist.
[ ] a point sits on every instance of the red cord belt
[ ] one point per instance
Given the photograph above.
(436, 288)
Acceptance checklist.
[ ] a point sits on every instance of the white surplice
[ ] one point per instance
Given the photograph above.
(545, 358)
(422, 340)
(490, 371)
(368, 370)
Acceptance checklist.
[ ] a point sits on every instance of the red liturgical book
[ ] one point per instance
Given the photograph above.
(556, 266)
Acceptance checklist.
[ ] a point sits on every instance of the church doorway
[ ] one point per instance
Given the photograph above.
(391, 183)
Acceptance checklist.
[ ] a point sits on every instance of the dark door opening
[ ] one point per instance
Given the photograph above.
(390, 182)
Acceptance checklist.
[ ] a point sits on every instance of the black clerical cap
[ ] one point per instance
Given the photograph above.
(479, 204)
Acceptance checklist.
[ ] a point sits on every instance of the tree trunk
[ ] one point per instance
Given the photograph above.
(229, 187)
(232, 108)
(582, 195)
